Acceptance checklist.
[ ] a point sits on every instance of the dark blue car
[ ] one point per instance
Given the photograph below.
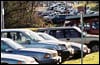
(42, 56)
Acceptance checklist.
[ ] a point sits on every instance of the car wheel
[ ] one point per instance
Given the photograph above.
(94, 48)
(78, 55)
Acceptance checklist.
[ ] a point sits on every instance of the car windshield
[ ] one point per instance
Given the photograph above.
(34, 36)
(62, 46)
(47, 37)
(78, 29)
(14, 44)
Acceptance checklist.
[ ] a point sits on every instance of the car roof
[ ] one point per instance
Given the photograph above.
(15, 30)
(68, 27)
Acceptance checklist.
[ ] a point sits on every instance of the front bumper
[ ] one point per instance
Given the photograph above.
(64, 54)
(87, 51)
(54, 60)
(78, 54)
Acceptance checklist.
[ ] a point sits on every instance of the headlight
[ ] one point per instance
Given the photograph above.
(71, 50)
(54, 54)
(85, 49)
(47, 56)
(68, 44)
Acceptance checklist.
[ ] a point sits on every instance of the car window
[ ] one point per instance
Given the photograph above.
(6, 35)
(71, 33)
(65, 33)
(53, 33)
(57, 33)
(4, 46)
(34, 36)
(18, 37)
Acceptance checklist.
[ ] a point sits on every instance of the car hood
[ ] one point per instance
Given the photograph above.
(90, 35)
(52, 42)
(55, 42)
(17, 57)
(77, 44)
(39, 50)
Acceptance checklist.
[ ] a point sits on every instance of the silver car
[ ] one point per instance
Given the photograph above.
(70, 45)
(74, 34)
(42, 56)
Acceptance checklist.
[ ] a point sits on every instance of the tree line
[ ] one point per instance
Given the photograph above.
(21, 14)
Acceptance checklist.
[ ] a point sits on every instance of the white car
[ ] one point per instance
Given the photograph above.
(76, 46)
(30, 39)
(16, 59)
(74, 34)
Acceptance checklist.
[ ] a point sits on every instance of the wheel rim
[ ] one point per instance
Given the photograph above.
(95, 48)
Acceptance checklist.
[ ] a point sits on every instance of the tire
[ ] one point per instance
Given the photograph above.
(94, 46)
(78, 54)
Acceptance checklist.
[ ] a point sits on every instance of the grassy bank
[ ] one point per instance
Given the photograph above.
(92, 58)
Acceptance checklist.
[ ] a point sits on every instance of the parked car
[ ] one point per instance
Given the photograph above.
(7, 58)
(31, 39)
(60, 7)
(74, 34)
(55, 17)
(42, 56)
(60, 18)
(76, 46)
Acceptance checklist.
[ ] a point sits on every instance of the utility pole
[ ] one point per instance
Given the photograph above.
(81, 21)
(2, 15)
